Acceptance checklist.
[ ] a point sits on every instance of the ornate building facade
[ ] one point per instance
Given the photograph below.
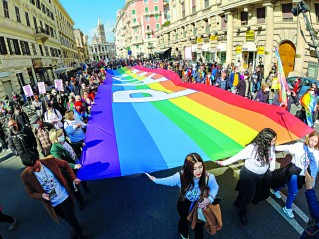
(35, 39)
(99, 48)
(243, 32)
(135, 27)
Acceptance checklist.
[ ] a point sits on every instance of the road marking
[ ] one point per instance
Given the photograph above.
(292, 222)
(296, 209)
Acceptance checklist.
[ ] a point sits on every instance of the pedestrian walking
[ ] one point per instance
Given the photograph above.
(304, 156)
(44, 181)
(193, 188)
(259, 156)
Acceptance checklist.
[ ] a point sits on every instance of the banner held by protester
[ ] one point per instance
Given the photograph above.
(147, 120)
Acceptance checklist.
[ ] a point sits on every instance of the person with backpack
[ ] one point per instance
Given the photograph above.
(197, 186)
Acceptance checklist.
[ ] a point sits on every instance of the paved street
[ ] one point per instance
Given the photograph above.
(134, 207)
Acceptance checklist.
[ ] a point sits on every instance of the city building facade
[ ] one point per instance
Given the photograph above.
(99, 48)
(30, 43)
(242, 32)
(82, 45)
(135, 27)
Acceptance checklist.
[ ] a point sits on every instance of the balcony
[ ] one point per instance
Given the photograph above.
(135, 24)
(137, 41)
(148, 31)
(152, 13)
(41, 34)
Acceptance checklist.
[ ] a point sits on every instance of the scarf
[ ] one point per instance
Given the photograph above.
(313, 164)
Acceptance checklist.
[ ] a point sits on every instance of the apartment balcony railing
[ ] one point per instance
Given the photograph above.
(42, 34)
(135, 24)
(152, 13)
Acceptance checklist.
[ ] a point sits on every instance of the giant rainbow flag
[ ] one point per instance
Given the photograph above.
(147, 120)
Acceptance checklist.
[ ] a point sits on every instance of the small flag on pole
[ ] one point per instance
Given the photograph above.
(282, 83)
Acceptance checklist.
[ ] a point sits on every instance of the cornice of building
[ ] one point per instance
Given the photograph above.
(64, 12)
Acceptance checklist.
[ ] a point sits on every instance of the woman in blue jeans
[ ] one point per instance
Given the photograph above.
(304, 155)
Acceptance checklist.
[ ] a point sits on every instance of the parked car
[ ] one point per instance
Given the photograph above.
(303, 85)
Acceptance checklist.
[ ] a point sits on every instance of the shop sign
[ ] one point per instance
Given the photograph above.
(250, 35)
(213, 38)
(261, 50)
(238, 49)
(199, 40)
(4, 74)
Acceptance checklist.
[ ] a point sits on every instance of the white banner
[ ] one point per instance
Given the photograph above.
(58, 84)
(41, 87)
(27, 90)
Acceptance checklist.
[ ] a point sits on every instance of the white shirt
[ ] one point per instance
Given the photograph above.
(299, 156)
(249, 155)
(50, 183)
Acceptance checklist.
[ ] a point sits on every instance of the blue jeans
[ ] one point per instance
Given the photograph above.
(292, 190)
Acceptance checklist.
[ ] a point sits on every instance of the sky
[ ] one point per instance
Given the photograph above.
(85, 14)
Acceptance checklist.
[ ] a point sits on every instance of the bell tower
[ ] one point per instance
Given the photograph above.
(101, 32)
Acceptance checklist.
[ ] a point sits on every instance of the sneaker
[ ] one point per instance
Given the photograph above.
(184, 237)
(288, 212)
(276, 193)
(13, 225)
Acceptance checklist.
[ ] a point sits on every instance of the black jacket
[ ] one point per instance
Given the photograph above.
(22, 119)
(22, 142)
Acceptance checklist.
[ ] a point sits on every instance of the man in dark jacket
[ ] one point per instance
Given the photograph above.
(291, 99)
(21, 117)
(243, 87)
(21, 140)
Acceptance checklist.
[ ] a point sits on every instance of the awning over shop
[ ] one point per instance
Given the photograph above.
(162, 51)
(221, 46)
(249, 46)
(63, 69)
(205, 47)
(194, 48)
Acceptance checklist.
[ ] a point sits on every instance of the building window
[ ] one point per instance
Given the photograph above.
(157, 26)
(147, 18)
(27, 18)
(317, 11)
(146, 9)
(25, 48)
(38, 4)
(155, 0)
(183, 10)
(148, 36)
(207, 27)
(156, 8)
(18, 14)
(145, 1)
(6, 8)
(32, 1)
(35, 22)
(46, 51)
(194, 30)
(184, 32)
(134, 20)
(286, 12)
(223, 21)
(133, 12)
(41, 50)
(43, 7)
(14, 48)
(261, 13)
(34, 49)
(206, 2)
(193, 6)
(3, 48)
(157, 17)
(244, 18)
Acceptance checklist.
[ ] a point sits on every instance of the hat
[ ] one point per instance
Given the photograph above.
(224, 70)
(34, 119)
(246, 73)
